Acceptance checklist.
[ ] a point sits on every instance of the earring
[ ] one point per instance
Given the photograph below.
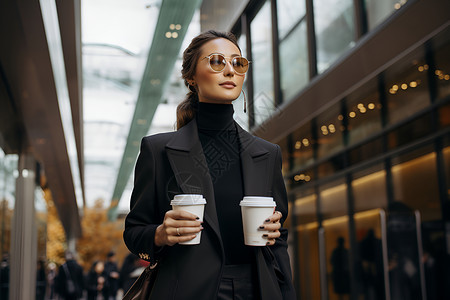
(245, 102)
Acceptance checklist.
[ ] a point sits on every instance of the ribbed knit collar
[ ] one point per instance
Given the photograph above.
(212, 116)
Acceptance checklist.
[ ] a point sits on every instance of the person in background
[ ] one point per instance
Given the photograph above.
(41, 280)
(96, 282)
(4, 277)
(130, 264)
(210, 154)
(51, 276)
(69, 283)
(112, 276)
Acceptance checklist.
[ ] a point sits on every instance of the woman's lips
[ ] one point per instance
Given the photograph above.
(228, 84)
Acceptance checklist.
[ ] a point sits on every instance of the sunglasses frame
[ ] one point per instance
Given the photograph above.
(225, 57)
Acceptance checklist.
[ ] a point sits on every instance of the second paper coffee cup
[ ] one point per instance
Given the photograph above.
(193, 203)
(255, 210)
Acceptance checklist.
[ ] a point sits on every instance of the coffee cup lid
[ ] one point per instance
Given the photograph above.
(188, 199)
(257, 201)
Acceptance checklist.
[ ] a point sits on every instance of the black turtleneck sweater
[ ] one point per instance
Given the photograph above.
(218, 136)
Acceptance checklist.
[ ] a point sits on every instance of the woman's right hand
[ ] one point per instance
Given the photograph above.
(178, 226)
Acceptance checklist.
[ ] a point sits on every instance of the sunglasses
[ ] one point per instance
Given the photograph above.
(217, 63)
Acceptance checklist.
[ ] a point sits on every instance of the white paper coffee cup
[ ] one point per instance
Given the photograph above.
(255, 210)
(193, 203)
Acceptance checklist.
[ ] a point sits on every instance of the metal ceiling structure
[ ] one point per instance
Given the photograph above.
(32, 93)
(173, 21)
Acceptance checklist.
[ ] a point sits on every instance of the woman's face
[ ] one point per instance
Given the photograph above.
(218, 87)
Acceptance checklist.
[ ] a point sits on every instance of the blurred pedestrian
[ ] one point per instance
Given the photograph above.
(69, 283)
(96, 282)
(112, 276)
(41, 280)
(4, 277)
(51, 277)
(130, 264)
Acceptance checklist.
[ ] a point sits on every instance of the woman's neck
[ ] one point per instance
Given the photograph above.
(212, 116)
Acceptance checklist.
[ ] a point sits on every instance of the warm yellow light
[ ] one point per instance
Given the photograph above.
(363, 110)
(371, 106)
(447, 77)
(296, 178)
(307, 178)
(305, 142)
(395, 87)
(323, 128)
(420, 68)
(425, 67)
(352, 114)
(340, 117)
(438, 72)
(298, 145)
(325, 132)
(404, 86)
(413, 84)
(331, 128)
(360, 105)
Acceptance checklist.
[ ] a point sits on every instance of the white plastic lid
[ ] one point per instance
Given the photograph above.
(188, 199)
(257, 201)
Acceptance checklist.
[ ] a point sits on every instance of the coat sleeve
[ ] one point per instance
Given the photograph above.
(144, 217)
(279, 249)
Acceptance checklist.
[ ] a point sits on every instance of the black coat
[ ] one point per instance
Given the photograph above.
(174, 163)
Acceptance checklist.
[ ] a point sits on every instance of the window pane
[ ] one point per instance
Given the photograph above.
(333, 199)
(446, 154)
(308, 257)
(329, 131)
(305, 207)
(415, 182)
(410, 131)
(302, 153)
(379, 10)
(407, 89)
(239, 115)
(294, 66)
(289, 13)
(363, 113)
(261, 33)
(334, 24)
(369, 189)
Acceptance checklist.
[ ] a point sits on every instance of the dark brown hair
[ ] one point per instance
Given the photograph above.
(187, 109)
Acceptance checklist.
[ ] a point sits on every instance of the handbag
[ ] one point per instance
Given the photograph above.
(142, 287)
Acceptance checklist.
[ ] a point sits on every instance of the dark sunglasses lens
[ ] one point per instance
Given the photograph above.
(217, 62)
(240, 64)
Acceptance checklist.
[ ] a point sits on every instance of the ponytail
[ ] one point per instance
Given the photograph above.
(187, 109)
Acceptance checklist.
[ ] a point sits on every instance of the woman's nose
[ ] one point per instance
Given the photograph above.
(228, 70)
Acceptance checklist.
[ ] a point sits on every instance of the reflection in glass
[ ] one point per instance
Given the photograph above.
(329, 131)
(369, 189)
(263, 94)
(411, 131)
(378, 10)
(302, 153)
(334, 24)
(337, 254)
(366, 151)
(289, 13)
(371, 271)
(305, 207)
(406, 89)
(363, 110)
(294, 66)
(442, 71)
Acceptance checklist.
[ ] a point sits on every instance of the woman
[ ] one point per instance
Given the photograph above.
(95, 281)
(211, 155)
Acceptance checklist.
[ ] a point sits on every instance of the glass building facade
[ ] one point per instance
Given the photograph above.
(367, 174)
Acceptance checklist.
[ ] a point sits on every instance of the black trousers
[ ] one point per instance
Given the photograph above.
(238, 283)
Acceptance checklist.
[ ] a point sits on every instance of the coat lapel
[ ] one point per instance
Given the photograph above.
(185, 154)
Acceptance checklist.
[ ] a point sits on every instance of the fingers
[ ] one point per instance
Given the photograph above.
(272, 225)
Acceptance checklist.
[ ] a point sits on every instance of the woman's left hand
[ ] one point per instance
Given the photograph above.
(272, 224)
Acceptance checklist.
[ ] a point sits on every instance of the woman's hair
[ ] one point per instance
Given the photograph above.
(187, 109)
